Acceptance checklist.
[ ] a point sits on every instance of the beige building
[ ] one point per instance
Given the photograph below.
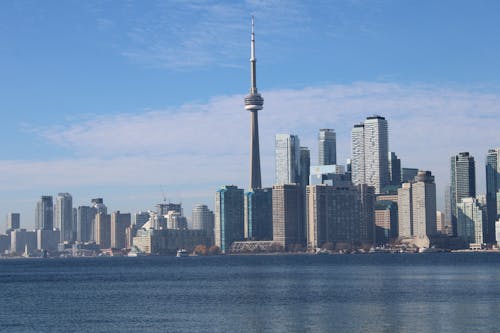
(102, 229)
(417, 207)
(119, 224)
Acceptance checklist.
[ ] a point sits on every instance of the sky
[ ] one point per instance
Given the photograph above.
(142, 101)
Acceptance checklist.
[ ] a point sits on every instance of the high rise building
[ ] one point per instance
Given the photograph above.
(327, 147)
(462, 182)
(440, 223)
(333, 214)
(21, 240)
(471, 218)
(84, 217)
(366, 229)
(140, 218)
(417, 207)
(288, 216)
(287, 159)
(102, 230)
(254, 103)
(98, 205)
(447, 210)
(305, 165)
(394, 169)
(44, 217)
(386, 221)
(176, 221)
(259, 214)
(358, 154)
(370, 148)
(203, 218)
(164, 208)
(424, 205)
(229, 216)
(119, 224)
(492, 188)
(13, 221)
(408, 174)
(405, 208)
(64, 216)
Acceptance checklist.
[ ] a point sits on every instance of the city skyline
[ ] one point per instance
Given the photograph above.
(66, 135)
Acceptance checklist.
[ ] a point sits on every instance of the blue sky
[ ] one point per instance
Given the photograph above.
(130, 100)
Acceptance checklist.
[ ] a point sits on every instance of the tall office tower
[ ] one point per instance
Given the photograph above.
(13, 221)
(84, 218)
(305, 166)
(376, 151)
(492, 187)
(64, 216)
(254, 103)
(386, 221)
(366, 229)
(424, 205)
(370, 148)
(358, 154)
(203, 218)
(229, 216)
(44, 217)
(98, 205)
(287, 159)
(471, 218)
(417, 207)
(462, 182)
(259, 214)
(447, 210)
(405, 208)
(288, 221)
(102, 230)
(408, 174)
(176, 221)
(440, 223)
(333, 214)
(140, 218)
(327, 148)
(394, 169)
(119, 224)
(164, 208)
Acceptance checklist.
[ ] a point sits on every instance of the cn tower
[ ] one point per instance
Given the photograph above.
(254, 103)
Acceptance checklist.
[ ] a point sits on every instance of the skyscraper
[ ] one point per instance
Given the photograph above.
(229, 216)
(13, 221)
(424, 205)
(202, 218)
(119, 224)
(305, 166)
(102, 230)
(417, 207)
(492, 188)
(462, 182)
(470, 220)
(327, 147)
(84, 218)
(254, 103)
(394, 169)
(64, 216)
(259, 214)
(370, 148)
(288, 217)
(287, 159)
(334, 214)
(44, 217)
(358, 154)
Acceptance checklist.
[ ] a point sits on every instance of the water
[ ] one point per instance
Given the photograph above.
(447, 292)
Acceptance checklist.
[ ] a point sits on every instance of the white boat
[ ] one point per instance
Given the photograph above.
(182, 253)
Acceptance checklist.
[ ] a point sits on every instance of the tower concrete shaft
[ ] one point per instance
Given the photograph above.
(254, 103)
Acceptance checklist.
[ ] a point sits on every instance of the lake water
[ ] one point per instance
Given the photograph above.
(446, 292)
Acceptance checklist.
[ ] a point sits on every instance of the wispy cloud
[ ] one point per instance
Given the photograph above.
(207, 143)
